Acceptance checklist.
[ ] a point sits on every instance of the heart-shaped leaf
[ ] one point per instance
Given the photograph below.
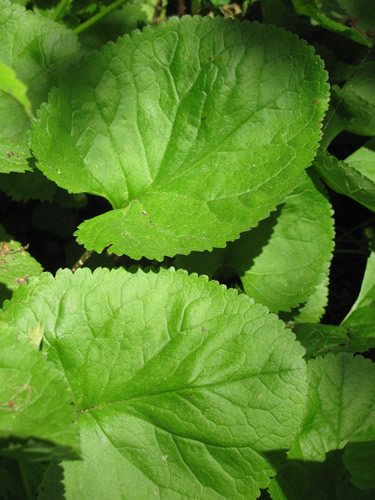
(193, 131)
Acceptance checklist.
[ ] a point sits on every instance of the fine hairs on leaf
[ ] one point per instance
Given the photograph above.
(187, 270)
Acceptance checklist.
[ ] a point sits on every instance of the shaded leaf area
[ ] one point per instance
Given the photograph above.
(359, 458)
(189, 389)
(35, 50)
(360, 321)
(283, 260)
(356, 333)
(352, 177)
(354, 102)
(210, 118)
(340, 405)
(133, 15)
(31, 185)
(12, 479)
(328, 480)
(36, 412)
(354, 19)
(313, 309)
(16, 264)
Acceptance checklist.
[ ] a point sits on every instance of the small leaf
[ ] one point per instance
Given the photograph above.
(345, 179)
(193, 130)
(340, 404)
(36, 415)
(354, 19)
(16, 264)
(356, 100)
(360, 321)
(186, 388)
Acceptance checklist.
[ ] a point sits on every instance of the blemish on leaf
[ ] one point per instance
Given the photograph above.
(10, 154)
(315, 101)
(143, 212)
(203, 329)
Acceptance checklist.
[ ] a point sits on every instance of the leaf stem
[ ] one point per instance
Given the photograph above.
(59, 9)
(86, 255)
(94, 19)
(25, 481)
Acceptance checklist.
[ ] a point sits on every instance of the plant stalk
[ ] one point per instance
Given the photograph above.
(59, 9)
(86, 255)
(94, 19)
(25, 481)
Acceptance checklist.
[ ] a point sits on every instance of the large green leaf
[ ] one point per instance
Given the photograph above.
(16, 264)
(340, 404)
(36, 50)
(36, 412)
(193, 130)
(281, 261)
(354, 19)
(182, 388)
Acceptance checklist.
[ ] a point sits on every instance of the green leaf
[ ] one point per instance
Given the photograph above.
(186, 388)
(340, 403)
(314, 308)
(329, 480)
(36, 50)
(281, 261)
(360, 321)
(36, 412)
(359, 458)
(131, 16)
(193, 130)
(9, 84)
(319, 339)
(356, 101)
(363, 160)
(28, 186)
(16, 264)
(345, 179)
(354, 19)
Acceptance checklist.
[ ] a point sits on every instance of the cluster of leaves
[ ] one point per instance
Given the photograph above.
(187, 357)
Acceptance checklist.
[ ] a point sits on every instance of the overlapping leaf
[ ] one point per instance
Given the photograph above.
(344, 178)
(36, 50)
(360, 321)
(353, 18)
(340, 405)
(193, 130)
(16, 264)
(356, 101)
(185, 388)
(280, 262)
(36, 414)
